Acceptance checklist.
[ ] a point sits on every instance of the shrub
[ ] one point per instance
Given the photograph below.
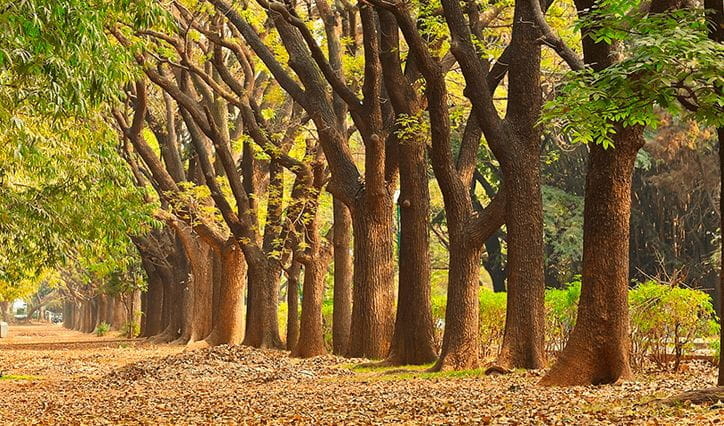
(492, 321)
(131, 329)
(666, 319)
(102, 329)
(561, 307)
(438, 303)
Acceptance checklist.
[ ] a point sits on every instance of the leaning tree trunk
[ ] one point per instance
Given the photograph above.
(229, 329)
(598, 349)
(373, 309)
(524, 340)
(293, 305)
(461, 340)
(413, 340)
(342, 311)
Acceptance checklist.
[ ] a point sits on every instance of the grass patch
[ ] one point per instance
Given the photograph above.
(20, 377)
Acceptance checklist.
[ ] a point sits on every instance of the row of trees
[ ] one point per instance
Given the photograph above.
(236, 118)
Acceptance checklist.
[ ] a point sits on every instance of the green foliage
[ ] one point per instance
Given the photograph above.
(131, 328)
(563, 227)
(668, 63)
(666, 319)
(561, 309)
(102, 329)
(492, 321)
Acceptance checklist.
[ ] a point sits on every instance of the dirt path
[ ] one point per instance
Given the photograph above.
(54, 376)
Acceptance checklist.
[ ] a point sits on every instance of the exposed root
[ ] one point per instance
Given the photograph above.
(497, 370)
(699, 396)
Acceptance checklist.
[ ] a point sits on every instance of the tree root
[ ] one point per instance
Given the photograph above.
(699, 396)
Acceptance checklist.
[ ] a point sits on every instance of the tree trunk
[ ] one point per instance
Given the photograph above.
(153, 308)
(229, 329)
(5, 309)
(720, 132)
(493, 263)
(461, 340)
(598, 349)
(173, 294)
(342, 311)
(120, 319)
(204, 292)
(524, 339)
(413, 338)
(262, 324)
(311, 334)
(373, 309)
(293, 305)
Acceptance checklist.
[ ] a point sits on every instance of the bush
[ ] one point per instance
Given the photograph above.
(666, 319)
(561, 306)
(102, 329)
(492, 321)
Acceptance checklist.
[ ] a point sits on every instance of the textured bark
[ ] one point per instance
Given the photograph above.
(293, 305)
(262, 324)
(598, 349)
(343, 264)
(120, 318)
(413, 337)
(523, 340)
(229, 329)
(151, 324)
(373, 292)
(311, 334)
(461, 341)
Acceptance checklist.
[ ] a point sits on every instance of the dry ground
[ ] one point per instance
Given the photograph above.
(54, 376)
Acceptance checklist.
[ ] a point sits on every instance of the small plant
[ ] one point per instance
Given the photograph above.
(102, 329)
(131, 329)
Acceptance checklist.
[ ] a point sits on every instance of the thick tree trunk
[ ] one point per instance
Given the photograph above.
(67, 314)
(373, 309)
(204, 293)
(153, 306)
(229, 329)
(262, 324)
(461, 340)
(342, 313)
(173, 294)
(524, 339)
(413, 338)
(311, 334)
(120, 319)
(78, 315)
(293, 305)
(598, 350)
